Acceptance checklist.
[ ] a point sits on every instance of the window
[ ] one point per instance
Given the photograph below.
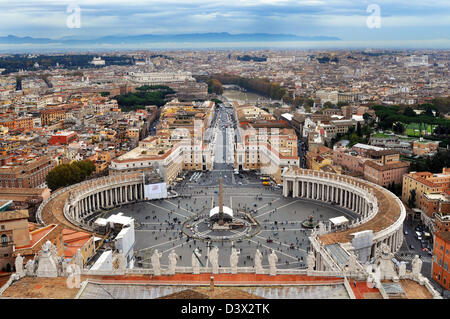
(3, 228)
(4, 239)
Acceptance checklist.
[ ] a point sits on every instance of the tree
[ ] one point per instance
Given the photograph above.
(409, 112)
(429, 111)
(287, 98)
(327, 105)
(309, 102)
(358, 129)
(398, 127)
(68, 174)
(214, 86)
(367, 117)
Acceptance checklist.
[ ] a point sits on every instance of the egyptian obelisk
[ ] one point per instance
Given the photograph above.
(220, 222)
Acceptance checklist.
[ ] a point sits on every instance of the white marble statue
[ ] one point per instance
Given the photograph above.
(78, 259)
(416, 266)
(19, 265)
(29, 268)
(53, 252)
(195, 261)
(155, 263)
(311, 261)
(214, 259)
(63, 267)
(273, 258)
(47, 266)
(386, 265)
(173, 258)
(121, 261)
(234, 259)
(258, 262)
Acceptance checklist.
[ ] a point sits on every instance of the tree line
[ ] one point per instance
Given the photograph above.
(65, 175)
(388, 115)
(18, 62)
(144, 95)
(259, 86)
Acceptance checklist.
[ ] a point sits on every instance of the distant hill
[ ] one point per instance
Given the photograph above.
(169, 38)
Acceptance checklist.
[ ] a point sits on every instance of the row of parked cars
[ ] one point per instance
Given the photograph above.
(424, 238)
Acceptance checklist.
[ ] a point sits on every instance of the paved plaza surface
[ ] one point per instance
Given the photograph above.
(159, 225)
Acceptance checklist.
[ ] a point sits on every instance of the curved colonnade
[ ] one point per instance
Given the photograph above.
(84, 199)
(379, 210)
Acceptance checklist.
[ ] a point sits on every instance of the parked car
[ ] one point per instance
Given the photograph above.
(405, 232)
(411, 247)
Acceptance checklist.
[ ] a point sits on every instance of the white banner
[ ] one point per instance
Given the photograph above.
(155, 191)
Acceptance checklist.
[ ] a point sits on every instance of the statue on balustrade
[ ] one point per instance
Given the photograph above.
(416, 265)
(258, 262)
(29, 267)
(214, 259)
(19, 265)
(311, 261)
(273, 258)
(196, 261)
(155, 263)
(234, 259)
(173, 258)
(78, 259)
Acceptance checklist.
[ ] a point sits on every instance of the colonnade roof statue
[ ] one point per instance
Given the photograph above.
(155, 262)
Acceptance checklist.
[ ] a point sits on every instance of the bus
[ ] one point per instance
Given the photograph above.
(266, 183)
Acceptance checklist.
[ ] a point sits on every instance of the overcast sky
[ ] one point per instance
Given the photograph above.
(401, 20)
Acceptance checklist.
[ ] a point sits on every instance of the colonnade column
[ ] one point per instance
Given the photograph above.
(295, 189)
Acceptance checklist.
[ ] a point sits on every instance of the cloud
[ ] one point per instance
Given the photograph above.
(343, 18)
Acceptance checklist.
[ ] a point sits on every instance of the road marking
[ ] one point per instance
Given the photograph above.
(280, 252)
(164, 243)
(278, 207)
(192, 213)
(167, 210)
(279, 242)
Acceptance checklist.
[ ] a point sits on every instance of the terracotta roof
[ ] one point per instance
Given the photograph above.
(37, 235)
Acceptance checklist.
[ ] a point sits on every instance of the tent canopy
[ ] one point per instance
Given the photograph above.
(337, 221)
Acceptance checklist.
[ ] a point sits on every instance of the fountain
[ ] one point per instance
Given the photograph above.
(310, 223)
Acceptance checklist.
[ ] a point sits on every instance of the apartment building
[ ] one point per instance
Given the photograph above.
(25, 172)
(424, 183)
(441, 259)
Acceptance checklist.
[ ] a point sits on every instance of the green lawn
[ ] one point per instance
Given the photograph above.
(413, 129)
